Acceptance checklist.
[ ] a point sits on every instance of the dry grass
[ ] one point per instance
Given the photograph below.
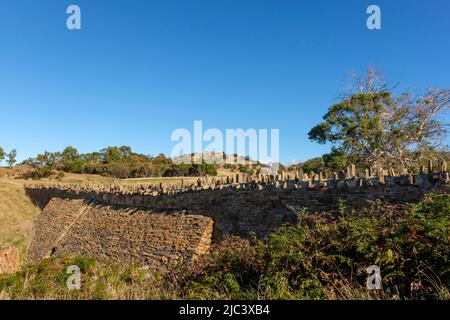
(156, 180)
(74, 178)
(17, 214)
(99, 281)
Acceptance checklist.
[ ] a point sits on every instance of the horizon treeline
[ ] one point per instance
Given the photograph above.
(122, 162)
(119, 162)
(10, 157)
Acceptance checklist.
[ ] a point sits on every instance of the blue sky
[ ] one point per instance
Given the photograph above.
(140, 69)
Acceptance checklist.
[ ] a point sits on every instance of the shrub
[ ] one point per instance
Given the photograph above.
(231, 271)
(74, 166)
(321, 257)
(326, 257)
(99, 280)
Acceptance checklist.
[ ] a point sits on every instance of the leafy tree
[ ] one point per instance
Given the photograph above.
(209, 169)
(75, 166)
(12, 157)
(161, 159)
(91, 157)
(116, 169)
(313, 165)
(125, 152)
(44, 163)
(119, 162)
(374, 125)
(178, 170)
(47, 159)
(336, 160)
(110, 154)
(69, 154)
(2, 154)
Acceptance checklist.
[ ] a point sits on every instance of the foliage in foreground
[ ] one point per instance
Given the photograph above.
(322, 257)
(99, 281)
(326, 257)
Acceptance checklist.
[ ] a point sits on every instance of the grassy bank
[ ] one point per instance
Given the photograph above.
(322, 257)
(17, 214)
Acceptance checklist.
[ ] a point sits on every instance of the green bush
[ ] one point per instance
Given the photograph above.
(321, 257)
(246, 169)
(327, 257)
(74, 166)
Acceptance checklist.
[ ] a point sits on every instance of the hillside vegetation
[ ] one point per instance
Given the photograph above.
(17, 214)
(118, 162)
(322, 257)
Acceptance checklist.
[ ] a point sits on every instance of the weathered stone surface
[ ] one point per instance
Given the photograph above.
(140, 223)
(159, 240)
(235, 208)
(53, 224)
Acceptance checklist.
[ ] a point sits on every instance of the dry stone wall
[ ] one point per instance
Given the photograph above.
(253, 207)
(53, 224)
(78, 227)
(165, 224)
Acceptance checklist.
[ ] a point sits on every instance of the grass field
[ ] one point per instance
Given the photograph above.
(17, 214)
(171, 180)
(93, 179)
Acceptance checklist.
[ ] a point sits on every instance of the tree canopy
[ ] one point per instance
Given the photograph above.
(12, 157)
(119, 162)
(2, 154)
(376, 126)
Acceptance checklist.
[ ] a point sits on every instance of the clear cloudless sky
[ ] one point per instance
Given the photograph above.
(137, 70)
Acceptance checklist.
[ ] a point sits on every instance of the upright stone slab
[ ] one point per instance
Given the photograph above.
(430, 167)
(321, 176)
(52, 225)
(391, 172)
(443, 166)
(353, 171)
